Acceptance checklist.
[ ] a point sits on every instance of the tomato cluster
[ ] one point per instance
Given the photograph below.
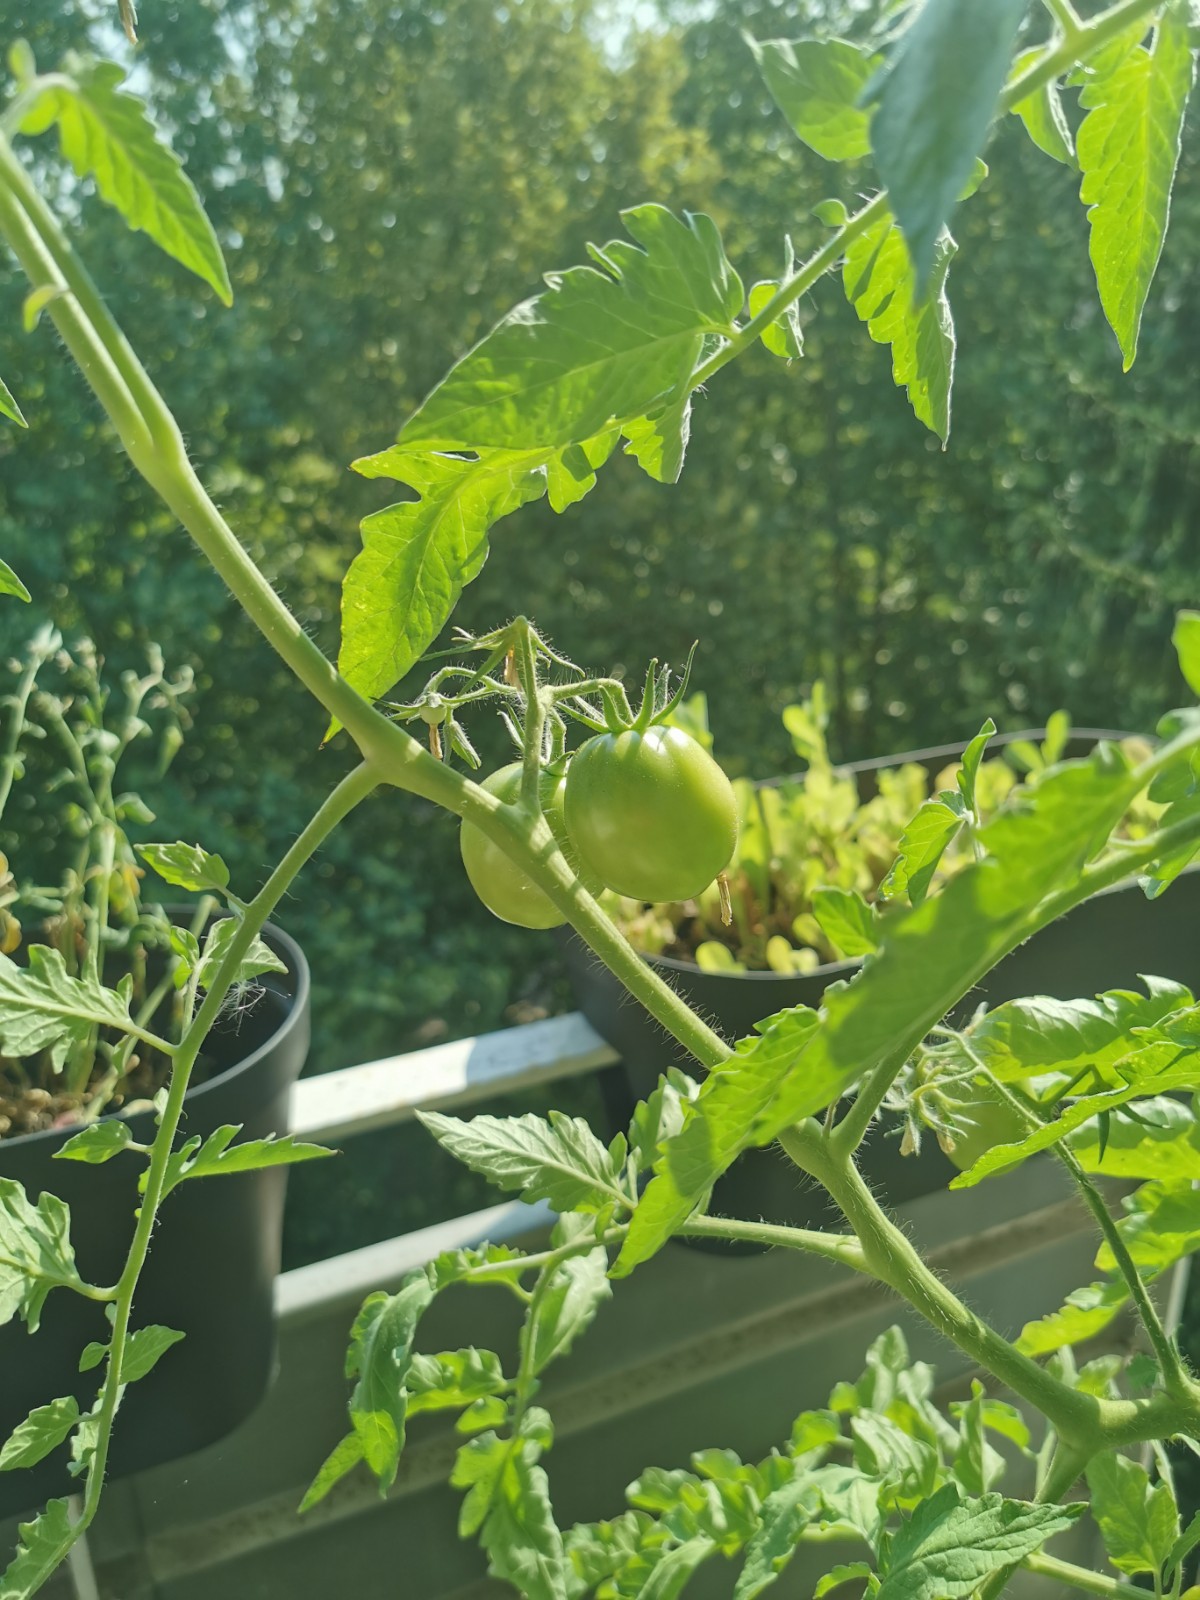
(647, 814)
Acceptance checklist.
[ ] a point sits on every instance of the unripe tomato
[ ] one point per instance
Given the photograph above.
(651, 814)
(985, 1121)
(498, 880)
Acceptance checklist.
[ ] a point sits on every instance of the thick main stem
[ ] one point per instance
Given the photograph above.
(892, 1258)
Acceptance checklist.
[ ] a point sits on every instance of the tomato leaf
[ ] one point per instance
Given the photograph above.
(99, 1142)
(880, 285)
(218, 1156)
(523, 1544)
(44, 1543)
(42, 1431)
(558, 1160)
(418, 555)
(1085, 1313)
(35, 1252)
(936, 101)
(950, 1545)
(1138, 1522)
(602, 345)
(106, 135)
(10, 409)
(186, 866)
(818, 85)
(145, 1349)
(566, 1307)
(342, 1459)
(1186, 639)
(379, 1356)
(42, 1007)
(454, 1379)
(846, 920)
(11, 584)
(1042, 114)
(1128, 149)
(922, 846)
(259, 958)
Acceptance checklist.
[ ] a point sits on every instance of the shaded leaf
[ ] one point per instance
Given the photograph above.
(342, 1459)
(577, 1289)
(35, 1252)
(1186, 639)
(935, 104)
(42, 1431)
(1043, 115)
(44, 1543)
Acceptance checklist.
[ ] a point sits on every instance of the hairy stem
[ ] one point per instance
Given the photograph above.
(1174, 1373)
(344, 798)
(892, 1258)
(1082, 1578)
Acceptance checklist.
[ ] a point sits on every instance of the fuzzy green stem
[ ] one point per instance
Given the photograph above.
(1082, 1578)
(891, 1257)
(837, 1247)
(343, 799)
(1174, 1373)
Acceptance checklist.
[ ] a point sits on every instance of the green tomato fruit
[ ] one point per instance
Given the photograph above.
(650, 814)
(498, 880)
(985, 1122)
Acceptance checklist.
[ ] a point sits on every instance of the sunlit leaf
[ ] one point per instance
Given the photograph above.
(602, 345)
(880, 285)
(818, 85)
(1043, 115)
(105, 135)
(42, 1431)
(10, 409)
(42, 1007)
(44, 1543)
(1128, 146)
(558, 1159)
(35, 1252)
(186, 866)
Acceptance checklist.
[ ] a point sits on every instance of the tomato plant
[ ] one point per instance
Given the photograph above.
(615, 354)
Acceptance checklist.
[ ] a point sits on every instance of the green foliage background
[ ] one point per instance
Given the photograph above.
(389, 178)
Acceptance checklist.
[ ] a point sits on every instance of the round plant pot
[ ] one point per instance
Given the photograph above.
(1104, 944)
(212, 1263)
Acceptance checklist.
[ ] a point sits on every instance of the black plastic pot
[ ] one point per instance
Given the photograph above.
(211, 1268)
(1103, 944)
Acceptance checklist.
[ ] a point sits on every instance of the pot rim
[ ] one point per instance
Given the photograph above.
(298, 968)
(832, 970)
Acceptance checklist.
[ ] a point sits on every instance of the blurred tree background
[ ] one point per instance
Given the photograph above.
(389, 177)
